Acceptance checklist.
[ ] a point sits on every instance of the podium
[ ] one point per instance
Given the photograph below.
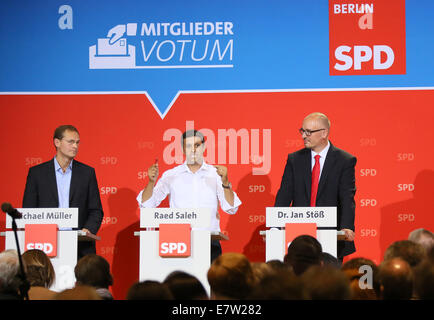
(152, 266)
(65, 258)
(323, 218)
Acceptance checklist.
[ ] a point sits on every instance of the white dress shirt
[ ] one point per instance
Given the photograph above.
(322, 158)
(202, 189)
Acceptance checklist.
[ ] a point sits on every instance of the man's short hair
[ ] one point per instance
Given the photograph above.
(9, 269)
(192, 133)
(303, 252)
(93, 270)
(413, 253)
(58, 133)
(423, 237)
(326, 283)
(231, 276)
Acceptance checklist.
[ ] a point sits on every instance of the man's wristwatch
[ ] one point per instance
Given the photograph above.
(228, 186)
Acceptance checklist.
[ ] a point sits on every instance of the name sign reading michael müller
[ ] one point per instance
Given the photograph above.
(63, 217)
(196, 217)
(322, 216)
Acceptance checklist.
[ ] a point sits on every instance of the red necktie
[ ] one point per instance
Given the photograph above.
(315, 180)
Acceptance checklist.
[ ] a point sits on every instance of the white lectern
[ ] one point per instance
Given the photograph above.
(153, 266)
(66, 258)
(277, 217)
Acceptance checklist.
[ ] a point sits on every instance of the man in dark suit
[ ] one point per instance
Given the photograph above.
(321, 175)
(66, 183)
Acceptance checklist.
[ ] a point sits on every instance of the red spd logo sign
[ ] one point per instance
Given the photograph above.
(367, 37)
(42, 237)
(174, 240)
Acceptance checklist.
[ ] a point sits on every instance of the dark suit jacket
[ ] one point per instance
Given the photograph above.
(336, 187)
(41, 192)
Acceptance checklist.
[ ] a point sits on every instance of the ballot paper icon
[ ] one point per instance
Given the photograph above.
(119, 55)
(119, 48)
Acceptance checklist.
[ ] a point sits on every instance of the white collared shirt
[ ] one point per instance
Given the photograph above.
(322, 158)
(202, 189)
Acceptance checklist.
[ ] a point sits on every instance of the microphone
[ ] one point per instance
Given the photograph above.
(14, 213)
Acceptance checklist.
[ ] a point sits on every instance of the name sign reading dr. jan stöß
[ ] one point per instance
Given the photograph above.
(321, 216)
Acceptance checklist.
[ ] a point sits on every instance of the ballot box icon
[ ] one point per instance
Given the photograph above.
(118, 48)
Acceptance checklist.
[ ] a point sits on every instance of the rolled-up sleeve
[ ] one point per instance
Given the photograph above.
(160, 192)
(224, 204)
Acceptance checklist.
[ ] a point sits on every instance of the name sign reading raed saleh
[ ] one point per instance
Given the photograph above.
(196, 217)
(63, 217)
(322, 216)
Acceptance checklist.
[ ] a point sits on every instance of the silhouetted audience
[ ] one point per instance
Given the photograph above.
(279, 284)
(329, 260)
(9, 280)
(278, 265)
(230, 277)
(326, 283)
(93, 270)
(303, 252)
(424, 280)
(185, 286)
(149, 290)
(423, 237)
(307, 273)
(260, 270)
(82, 292)
(413, 253)
(396, 279)
(363, 276)
(40, 274)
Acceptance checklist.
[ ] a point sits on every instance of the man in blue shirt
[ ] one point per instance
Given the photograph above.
(63, 182)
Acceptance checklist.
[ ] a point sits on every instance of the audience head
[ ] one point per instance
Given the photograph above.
(185, 286)
(260, 270)
(93, 270)
(328, 260)
(39, 270)
(149, 290)
(278, 265)
(326, 283)
(78, 293)
(396, 279)
(9, 270)
(423, 237)
(303, 252)
(355, 269)
(278, 284)
(413, 253)
(230, 276)
(424, 280)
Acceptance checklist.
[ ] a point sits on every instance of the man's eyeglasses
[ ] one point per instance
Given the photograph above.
(308, 132)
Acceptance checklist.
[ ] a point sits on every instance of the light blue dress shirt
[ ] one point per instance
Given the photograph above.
(63, 180)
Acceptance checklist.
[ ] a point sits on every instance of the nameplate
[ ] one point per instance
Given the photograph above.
(63, 217)
(196, 217)
(322, 216)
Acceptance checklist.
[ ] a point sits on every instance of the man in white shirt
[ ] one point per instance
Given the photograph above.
(193, 184)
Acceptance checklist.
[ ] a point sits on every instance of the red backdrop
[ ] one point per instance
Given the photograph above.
(121, 135)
